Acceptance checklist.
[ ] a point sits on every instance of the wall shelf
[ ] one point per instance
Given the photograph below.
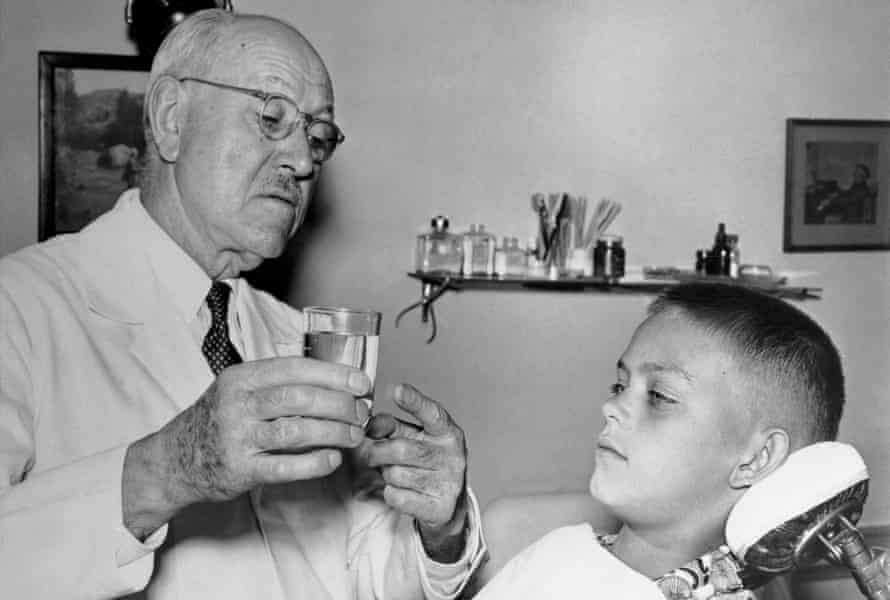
(436, 284)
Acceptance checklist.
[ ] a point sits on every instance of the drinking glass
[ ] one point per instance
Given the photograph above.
(346, 336)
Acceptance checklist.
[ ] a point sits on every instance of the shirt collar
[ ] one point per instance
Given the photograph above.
(185, 283)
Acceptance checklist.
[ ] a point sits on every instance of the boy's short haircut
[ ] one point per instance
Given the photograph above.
(783, 348)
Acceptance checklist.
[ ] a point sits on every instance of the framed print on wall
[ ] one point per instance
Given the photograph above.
(837, 185)
(91, 140)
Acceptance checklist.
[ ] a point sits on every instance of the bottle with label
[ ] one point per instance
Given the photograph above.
(439, 250)
(479, 246)
(719, 257)
(609, 258)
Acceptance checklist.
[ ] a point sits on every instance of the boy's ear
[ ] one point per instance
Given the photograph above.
(768, 451)
(164, 107)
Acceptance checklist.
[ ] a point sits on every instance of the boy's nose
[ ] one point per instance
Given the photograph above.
(615, 409)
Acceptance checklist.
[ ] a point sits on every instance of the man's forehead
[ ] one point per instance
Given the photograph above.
(273, 51)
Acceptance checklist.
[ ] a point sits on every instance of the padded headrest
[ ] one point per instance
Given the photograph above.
(809, 477)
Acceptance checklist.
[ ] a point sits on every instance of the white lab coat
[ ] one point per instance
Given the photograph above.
(93, 355)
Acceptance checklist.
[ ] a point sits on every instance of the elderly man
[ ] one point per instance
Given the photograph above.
(167, 441)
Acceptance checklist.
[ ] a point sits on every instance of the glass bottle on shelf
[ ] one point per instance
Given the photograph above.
(720, 255)
(609, 257)
(509, 259)
(535, 265)
(479, 246)
(500, 257)
(516, 259)
(439, 250)
(735, 255)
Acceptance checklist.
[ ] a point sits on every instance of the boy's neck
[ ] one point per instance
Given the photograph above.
(656, 555)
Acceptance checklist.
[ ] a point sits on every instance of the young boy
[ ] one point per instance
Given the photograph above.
(717, 386)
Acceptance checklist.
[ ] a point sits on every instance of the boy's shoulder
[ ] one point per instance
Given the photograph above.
(569, 562)
(580, 536)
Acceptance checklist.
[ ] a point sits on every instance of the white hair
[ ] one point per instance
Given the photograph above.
(190, 49)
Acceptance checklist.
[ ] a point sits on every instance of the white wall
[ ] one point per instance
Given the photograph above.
(467, 107)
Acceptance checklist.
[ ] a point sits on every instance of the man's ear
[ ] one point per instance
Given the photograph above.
(165, 110)
(768, 450)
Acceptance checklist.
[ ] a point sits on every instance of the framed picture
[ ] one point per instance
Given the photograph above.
(837, 185)
(91, 140)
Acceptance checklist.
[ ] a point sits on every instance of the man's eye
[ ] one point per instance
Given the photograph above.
(274, 112)
(272, 119)
(316, 142)
(322, 131)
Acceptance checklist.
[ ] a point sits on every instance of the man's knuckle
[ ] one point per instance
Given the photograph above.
(254, 402)
(404, 476)
(270, 399)
(421, 481)
(425, 453)
(307, 398)
(292, 430)
(283, 432)
(393, 497)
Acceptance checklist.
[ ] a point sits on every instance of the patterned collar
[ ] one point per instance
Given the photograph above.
(713, 575)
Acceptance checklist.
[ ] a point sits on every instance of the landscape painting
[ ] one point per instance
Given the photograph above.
(91, 138)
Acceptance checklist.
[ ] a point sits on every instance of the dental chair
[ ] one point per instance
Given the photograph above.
(513, 522)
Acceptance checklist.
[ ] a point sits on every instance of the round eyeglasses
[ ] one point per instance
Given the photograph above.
(279, 116)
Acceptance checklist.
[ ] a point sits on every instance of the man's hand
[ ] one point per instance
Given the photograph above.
(268, 421)
(423, 469)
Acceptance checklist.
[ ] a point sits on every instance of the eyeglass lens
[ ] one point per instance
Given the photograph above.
(279, 118)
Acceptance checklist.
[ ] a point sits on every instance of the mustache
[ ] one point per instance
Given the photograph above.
(286, 185)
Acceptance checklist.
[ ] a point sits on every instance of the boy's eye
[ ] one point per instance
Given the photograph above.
(616, 388)
(658, 400)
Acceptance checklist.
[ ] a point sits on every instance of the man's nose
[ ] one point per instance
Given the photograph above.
(295, 155)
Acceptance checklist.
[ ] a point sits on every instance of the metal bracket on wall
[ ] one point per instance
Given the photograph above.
(430, 292)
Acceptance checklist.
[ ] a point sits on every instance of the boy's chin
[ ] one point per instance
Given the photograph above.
(612, 497)
(599, 490)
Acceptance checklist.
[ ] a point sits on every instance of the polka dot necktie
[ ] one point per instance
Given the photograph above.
(217, 347)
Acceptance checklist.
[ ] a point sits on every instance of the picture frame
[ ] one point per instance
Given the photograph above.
(837, 185)
(91, 139)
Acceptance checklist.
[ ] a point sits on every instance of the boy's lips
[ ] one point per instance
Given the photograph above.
(604, 444)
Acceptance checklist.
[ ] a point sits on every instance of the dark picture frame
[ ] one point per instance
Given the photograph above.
(837, 185)
(91, 140)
